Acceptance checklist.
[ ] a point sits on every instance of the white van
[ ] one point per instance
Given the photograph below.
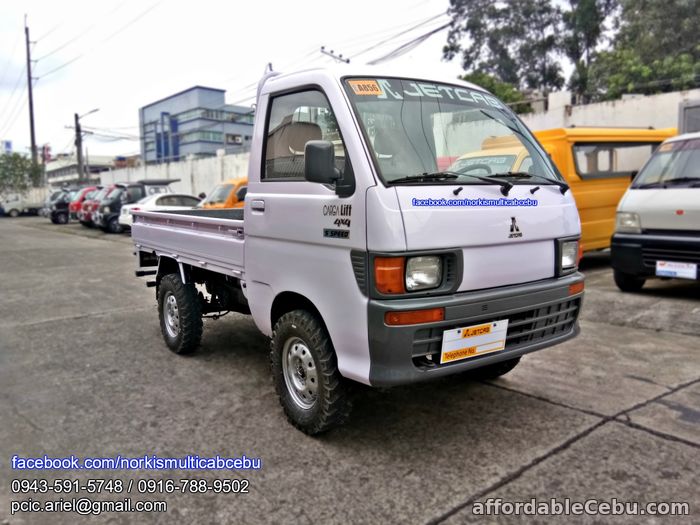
(657, 232)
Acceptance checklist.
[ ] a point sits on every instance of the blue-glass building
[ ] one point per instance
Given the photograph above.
(196, 122)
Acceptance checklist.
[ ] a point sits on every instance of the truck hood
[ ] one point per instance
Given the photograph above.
(504, 240)
(664, 209)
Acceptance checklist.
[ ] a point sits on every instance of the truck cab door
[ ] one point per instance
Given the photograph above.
(300, 234)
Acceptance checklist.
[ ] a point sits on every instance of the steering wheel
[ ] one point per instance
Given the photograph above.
(476, 167)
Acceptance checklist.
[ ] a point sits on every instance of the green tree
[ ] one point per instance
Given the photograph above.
(17, 173)
(583, 31)
(656, 49)
(516, 42)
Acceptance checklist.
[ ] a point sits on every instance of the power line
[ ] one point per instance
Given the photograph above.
(106, 39)
(14, 89)
(80, 35)
(408, 46)
(394, 37)
(6, 67)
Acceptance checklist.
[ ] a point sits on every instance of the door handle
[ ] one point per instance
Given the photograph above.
(257, 205)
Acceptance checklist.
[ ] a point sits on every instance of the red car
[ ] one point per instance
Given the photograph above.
(77, 203)
(90, 205)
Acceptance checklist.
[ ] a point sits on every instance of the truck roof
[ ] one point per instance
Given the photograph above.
(355, 70)
(685, 136)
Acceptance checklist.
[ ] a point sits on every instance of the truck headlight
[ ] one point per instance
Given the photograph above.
(105, 209)
(627, 222)
(569, 255)
(423, 272)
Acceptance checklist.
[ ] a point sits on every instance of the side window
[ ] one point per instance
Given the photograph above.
(294, 120)
(167, 201)
(188, 201)
(611, 159)
(134, 193)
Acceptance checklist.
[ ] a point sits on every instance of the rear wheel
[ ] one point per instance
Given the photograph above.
(180, 314)
(495, 370)
(627, 282)
(313, 394)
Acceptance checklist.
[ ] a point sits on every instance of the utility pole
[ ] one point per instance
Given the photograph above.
(31, 95)
(79, 148)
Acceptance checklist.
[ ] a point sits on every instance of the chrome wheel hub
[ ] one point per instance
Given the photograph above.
(299, 370)
(171, 315)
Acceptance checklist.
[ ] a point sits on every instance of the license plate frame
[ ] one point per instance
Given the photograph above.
(471, 341)
(677, 270)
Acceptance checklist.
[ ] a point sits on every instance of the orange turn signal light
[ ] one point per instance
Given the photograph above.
(389, 274)
(414, 316)
(580, 253)
(576, 288)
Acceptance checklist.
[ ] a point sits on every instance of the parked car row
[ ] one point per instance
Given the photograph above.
(110, 207)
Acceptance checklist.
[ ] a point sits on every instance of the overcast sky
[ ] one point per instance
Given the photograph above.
(128, 53)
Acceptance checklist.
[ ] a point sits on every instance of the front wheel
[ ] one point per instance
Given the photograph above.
(14, 214)
(627, 282)
(180, 314)
(62, 218)
(313, 394)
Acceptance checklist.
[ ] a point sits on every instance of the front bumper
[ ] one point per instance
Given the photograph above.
(540, 314)
(636, 254)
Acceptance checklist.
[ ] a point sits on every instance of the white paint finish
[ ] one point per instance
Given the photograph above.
(385, 229)
(657, 207)
(491, 258)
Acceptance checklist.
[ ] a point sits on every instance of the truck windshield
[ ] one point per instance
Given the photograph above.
(416, 128)
(219, 194)
(674, 164)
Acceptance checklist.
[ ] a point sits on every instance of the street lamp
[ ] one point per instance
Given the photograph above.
(79, 142)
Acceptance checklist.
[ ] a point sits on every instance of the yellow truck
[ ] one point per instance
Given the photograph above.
(228, 194)
(597, 163)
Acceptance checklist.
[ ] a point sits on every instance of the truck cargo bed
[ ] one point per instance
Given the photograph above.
(210, 239)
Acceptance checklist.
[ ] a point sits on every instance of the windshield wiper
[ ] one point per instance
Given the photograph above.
(681, 180)
(451, 175)
(563, 186)
(665, 183)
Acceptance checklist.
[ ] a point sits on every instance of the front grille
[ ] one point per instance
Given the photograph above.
(525, 327)
(652, 254)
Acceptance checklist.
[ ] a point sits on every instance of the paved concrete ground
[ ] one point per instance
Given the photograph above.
(614, 413)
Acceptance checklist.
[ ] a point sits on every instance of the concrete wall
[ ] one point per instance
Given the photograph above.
(196, 175)
(658, 111)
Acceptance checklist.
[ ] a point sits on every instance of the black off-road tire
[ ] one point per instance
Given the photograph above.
(627, 282)
(61, 218)
(332, 403)
(495, 370)
(187, 337)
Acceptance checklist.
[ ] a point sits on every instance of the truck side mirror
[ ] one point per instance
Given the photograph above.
(319, 162)
(633, 174)
(202, 195)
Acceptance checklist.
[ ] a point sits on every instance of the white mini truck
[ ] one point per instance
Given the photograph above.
(361, 255)
(657, 232)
